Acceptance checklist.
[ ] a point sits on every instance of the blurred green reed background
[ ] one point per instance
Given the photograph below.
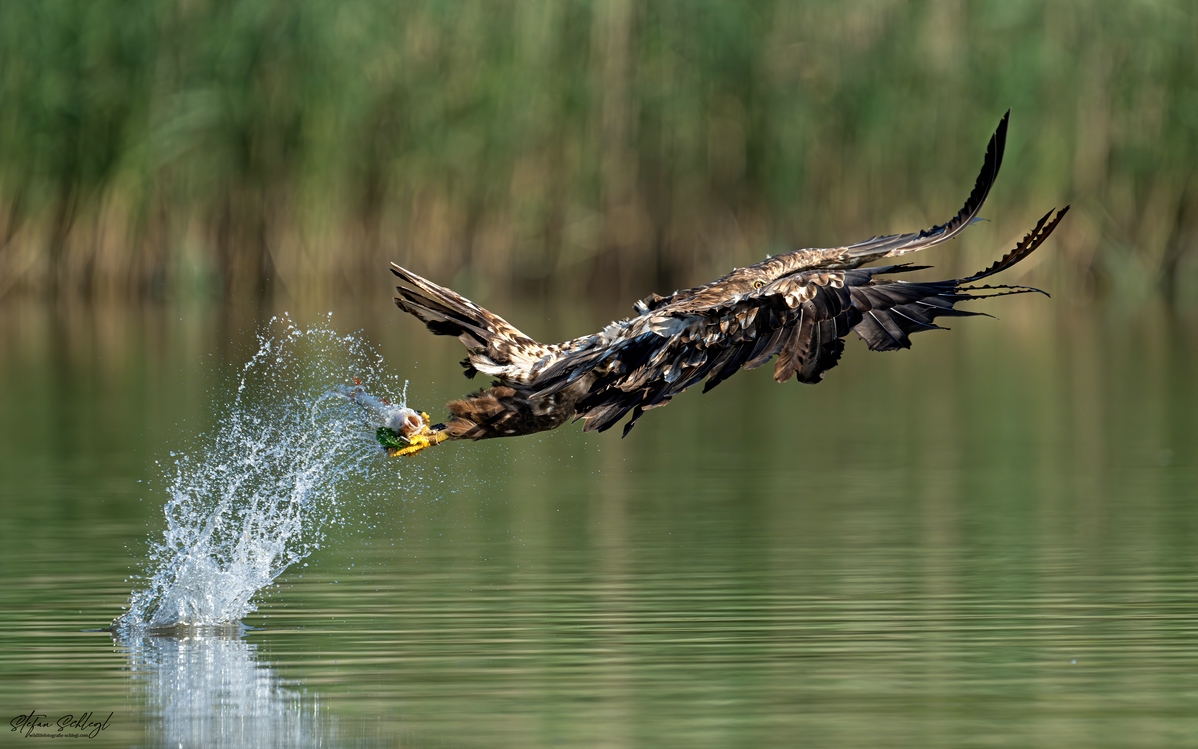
(182, 147)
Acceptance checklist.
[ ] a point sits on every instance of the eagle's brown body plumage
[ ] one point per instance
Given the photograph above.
(795, 308)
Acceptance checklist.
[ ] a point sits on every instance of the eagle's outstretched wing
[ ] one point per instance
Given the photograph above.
(800, 318)
(859, 253)
(894, 245)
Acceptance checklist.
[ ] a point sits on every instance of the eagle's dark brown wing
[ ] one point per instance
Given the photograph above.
(857, 254)
(894, 245)
(800, 319)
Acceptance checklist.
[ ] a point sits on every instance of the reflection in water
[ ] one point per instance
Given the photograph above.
(206, 688)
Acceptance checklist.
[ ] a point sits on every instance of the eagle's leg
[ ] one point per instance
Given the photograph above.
(505, 411)
(500, 411)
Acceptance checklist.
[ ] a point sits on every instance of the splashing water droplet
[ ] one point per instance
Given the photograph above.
(294, 445)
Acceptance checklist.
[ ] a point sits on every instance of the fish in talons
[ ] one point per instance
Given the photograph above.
(408, 432)
(400, 430)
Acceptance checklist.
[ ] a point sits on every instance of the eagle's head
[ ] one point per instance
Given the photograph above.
(737, 283)
(742, 281)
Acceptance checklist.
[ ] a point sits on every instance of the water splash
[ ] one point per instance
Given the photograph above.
(267, 482)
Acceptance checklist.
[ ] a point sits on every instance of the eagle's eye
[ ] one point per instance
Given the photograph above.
(758, 284)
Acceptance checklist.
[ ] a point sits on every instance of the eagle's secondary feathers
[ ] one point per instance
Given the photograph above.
(795, 308)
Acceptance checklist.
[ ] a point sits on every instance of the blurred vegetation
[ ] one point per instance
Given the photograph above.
(182, 146)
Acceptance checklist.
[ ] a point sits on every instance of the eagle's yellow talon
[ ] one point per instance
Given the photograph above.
(421, 440)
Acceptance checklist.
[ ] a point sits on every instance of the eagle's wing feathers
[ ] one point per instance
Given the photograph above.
(800, 320)
(857, 254)
(894, 245)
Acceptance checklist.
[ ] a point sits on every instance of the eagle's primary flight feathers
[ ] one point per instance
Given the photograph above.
(795, 308)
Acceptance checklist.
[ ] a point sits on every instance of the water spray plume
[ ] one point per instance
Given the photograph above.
(292, 448)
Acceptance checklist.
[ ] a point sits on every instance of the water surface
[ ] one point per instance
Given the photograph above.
(988, 540)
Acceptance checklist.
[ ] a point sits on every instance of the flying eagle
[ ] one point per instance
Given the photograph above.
(795, 308)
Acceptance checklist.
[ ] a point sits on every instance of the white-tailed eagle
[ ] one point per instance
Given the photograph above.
(795, 308)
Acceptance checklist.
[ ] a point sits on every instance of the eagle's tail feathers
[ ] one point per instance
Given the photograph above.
(495, 347)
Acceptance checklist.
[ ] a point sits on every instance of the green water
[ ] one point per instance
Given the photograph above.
(986, 541)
